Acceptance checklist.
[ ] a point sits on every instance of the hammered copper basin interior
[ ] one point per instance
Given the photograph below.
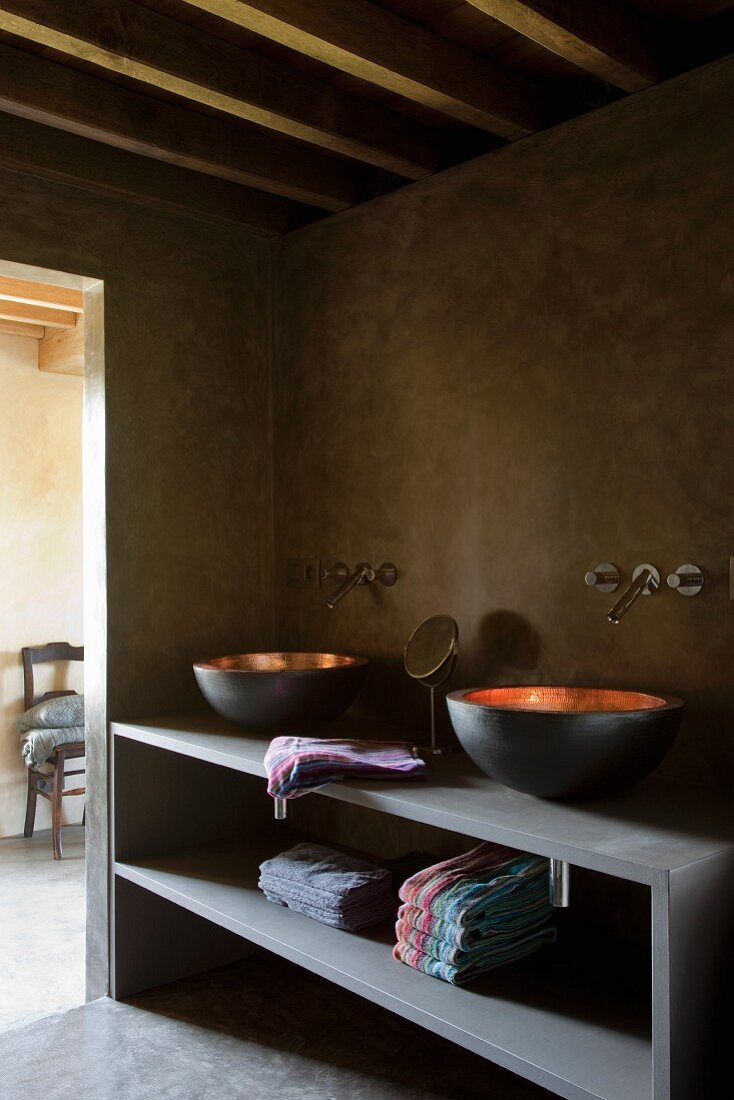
(564, 742)
(281, 691)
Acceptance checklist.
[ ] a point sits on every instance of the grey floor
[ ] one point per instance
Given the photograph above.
(41, 927)
(262, 1029)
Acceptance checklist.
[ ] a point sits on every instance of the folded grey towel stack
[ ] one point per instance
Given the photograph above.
(336, 889)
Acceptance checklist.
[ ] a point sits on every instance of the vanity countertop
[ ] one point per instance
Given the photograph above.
(641, 835)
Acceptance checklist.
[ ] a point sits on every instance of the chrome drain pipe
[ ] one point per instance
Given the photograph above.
(560, 883)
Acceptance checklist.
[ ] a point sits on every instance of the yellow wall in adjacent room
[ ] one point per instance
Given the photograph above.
(40, 548)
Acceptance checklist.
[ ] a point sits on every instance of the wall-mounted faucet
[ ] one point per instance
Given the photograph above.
(386, 574)
(688, 580)
(363, 574)
(310, 573)
(645, 581)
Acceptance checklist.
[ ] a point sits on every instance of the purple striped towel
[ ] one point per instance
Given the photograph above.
(297, 765)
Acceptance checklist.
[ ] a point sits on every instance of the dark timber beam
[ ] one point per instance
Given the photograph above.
(69, 100)
(605, 37)
(373, 44)
(39, 152)
(45, 92)
(132, 41)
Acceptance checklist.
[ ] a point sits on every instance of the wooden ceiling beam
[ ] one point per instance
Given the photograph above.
(39, 152)
(21, 328)
(40, 294)
(360, 38)
(135, 42)
(607, 37)
(55, 95)
(61, 351)
(36, 315)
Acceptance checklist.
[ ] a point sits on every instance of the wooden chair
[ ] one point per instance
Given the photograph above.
(50, 786)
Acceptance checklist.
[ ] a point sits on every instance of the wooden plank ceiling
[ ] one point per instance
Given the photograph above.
(273, 113)
(50, 314)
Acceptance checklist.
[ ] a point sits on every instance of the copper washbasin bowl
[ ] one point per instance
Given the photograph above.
(564, 742)
(281, 691)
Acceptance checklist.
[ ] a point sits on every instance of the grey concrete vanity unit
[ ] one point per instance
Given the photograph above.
(192, 821)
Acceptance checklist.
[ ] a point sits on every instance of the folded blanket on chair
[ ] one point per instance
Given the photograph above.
(54, 714)
(38, 745)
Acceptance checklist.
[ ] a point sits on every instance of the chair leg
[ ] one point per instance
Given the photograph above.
(30, 806)
(58, 798)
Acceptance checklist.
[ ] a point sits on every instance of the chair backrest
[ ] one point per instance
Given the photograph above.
(41, 655)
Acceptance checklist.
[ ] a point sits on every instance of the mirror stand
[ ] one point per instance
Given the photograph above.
(432, 748)
(429, 657)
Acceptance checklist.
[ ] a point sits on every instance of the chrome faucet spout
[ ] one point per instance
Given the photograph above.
(645, 581)
(364, 573)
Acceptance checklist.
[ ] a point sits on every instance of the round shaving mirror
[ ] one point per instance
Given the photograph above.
(429, 657)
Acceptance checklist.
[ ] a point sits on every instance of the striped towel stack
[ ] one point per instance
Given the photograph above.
(296, 765)
(474, 912)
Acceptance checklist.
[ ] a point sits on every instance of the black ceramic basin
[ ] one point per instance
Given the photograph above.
(564, 742)
(281, 691)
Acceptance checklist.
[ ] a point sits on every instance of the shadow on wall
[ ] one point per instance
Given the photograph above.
(507, 649)
(509, 646)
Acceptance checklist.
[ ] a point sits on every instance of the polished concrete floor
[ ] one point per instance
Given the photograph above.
(41, 927)
(262, 1029)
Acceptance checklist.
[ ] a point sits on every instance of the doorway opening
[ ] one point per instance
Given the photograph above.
(51, 737)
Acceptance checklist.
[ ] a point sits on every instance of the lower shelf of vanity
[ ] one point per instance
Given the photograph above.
(560, 1018)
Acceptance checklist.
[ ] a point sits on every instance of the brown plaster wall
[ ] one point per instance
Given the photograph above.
(495, 378)
(188, 485)
(502, 376)
(188, 489)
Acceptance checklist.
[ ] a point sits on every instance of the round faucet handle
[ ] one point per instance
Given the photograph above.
(687, 580)
(605, 578)
(338, 572)
(386, 574)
